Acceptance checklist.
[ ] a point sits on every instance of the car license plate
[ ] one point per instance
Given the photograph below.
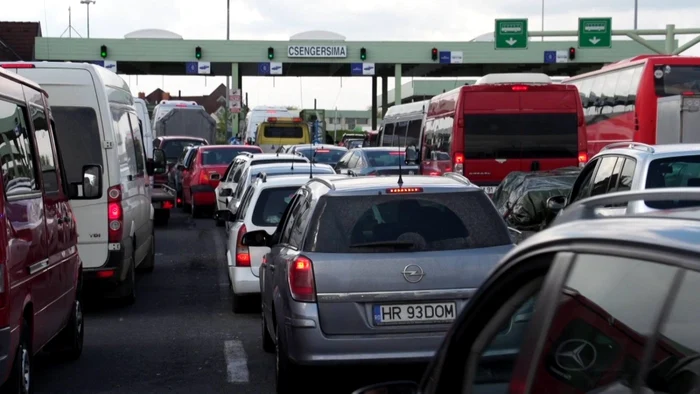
(489, 189)
(414, 313)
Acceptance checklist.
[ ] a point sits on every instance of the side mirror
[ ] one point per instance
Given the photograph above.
(515, 235)
(399, 387)
(181, 167)
(225, 215)
(556, 204)
(226, 192)
(256, 238)
(159, 161)
(91, 186)
(411, 155)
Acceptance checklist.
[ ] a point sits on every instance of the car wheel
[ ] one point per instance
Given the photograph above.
(20, 379)
(69, 343)
(267, 344)
(286, 373)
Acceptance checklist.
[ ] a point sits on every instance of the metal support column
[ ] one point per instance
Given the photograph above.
(385, 94)
(670, 39)
(235, 84)
(397, 84)
(374, 102)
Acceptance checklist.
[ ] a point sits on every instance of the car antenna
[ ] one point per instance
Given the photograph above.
(311, 162)
(400, 159)
(280, 146)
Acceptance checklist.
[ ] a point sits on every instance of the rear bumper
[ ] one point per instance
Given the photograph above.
(163, 198)
(113, 272)
(242, 279)
(8, 346)
(308, 345)
(203, 195)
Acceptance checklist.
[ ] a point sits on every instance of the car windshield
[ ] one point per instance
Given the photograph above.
(384, 158)
(173, 148)
(325, 156)
(680, 171)
(419, 222)
(271, 205)
(220, 156)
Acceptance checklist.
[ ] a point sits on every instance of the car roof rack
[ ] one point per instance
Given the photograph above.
(458, 177)
(629, 145)
(586, 208)
(262, 176)
(244, 153)
(324, 182)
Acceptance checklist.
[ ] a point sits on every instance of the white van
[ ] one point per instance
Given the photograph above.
(260, 114)
(166, 106)
(96, 123)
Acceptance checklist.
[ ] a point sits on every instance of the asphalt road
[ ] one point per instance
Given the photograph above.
(181, 336)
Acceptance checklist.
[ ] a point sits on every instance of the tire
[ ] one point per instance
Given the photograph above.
(20, 380)
(286, 372)
(69, 343)
(268, 344)
(150, 262)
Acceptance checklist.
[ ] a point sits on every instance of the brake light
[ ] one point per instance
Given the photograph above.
(203, 177)
(434, 173)
(688, 93)
(297, 120)
(519, 88)
(397, 190)
(167, 205)
(272, 120)
(105, 274)
(397, 153)
(181, 105)
(18, 65)
(301, 280)
(115, 214)
(458, 163)
(322, 150)
(582, 158)
(242, 253)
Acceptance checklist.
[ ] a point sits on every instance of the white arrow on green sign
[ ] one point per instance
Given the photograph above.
(511, 34)
(594, 32)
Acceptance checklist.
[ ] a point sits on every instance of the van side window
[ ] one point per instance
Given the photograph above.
(137, 138)
(16, 152)
(125, 150)
(78, 138)
(49, 175)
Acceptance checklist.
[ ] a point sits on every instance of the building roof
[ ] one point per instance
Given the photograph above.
(17, 40)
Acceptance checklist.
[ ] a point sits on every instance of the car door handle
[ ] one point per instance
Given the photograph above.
(60, 220)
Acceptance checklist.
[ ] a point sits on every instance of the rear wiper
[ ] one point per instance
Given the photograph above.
(394, 244)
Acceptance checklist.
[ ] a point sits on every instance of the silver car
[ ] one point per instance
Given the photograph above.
(368, 269)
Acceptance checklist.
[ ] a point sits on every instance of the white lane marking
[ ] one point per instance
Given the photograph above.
(236, 362)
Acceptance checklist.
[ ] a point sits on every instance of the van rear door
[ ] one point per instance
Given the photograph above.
(74, 104)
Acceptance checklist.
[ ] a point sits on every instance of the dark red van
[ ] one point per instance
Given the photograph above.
(40, 270)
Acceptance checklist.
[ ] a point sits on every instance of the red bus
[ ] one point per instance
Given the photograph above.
(503, 123)
(619, 100)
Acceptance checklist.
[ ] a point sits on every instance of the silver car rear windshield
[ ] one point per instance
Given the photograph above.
(407, 222)
(679, 171)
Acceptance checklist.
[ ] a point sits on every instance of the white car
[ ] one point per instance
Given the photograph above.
(226, 187)
(262, 207)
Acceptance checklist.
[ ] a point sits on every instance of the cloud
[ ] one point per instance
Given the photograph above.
(386, 20)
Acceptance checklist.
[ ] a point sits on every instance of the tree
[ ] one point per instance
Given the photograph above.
(221, 126)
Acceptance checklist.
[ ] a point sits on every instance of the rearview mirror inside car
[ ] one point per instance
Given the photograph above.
(91, 186)
(159, 161)
(411, 154)
(399, 387)
(556, 203)
(256, 238)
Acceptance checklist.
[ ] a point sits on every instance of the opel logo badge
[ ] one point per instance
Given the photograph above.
(575, 355)
(413, 273)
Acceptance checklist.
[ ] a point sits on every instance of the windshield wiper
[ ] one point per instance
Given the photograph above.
(391, 244)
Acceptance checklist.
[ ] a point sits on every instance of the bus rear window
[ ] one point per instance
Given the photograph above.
(673, 80)
(517, 136)
(283, 132)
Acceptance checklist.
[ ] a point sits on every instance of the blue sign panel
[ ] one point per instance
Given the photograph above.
(192, 68)
(445, 57)
(356, 69)
(263, 68)
(550, 57)
(100, 63)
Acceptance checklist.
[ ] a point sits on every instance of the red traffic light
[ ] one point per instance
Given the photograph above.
(435, 54)
(572, 53)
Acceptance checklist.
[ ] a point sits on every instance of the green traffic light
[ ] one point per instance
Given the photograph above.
(103, 54)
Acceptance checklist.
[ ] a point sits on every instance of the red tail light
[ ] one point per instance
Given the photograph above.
(322, 150)
(203, 177)
(105, 274)
(167, 205)
(582, 158)
(115, 214)
(458, 162)
(301, 280)
(397, 153)
(272, 120)
(242, 254)
(519, 88)
(399, 190)
(434, 173)
(688, 93)
(296, 120)
(18, 65)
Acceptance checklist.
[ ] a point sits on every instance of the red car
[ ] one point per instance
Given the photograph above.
(40, 269)
(204, 172)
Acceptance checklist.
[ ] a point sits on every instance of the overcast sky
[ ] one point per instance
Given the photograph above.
(410, 20)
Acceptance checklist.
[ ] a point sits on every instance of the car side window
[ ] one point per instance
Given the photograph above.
(237, 173)
(627, 175)
(297, 233)
(45, 150)
(615, 176)
(137, 138)
(603, 175)
(679, 337)
(354, 159)
(292, 219)
(193, 159)
(582, 186)
(247, 198)
(343, 162)
(18, 161)
(607, 311)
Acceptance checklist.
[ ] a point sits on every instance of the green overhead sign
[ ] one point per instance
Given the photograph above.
(594, 32)
(511, 34)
